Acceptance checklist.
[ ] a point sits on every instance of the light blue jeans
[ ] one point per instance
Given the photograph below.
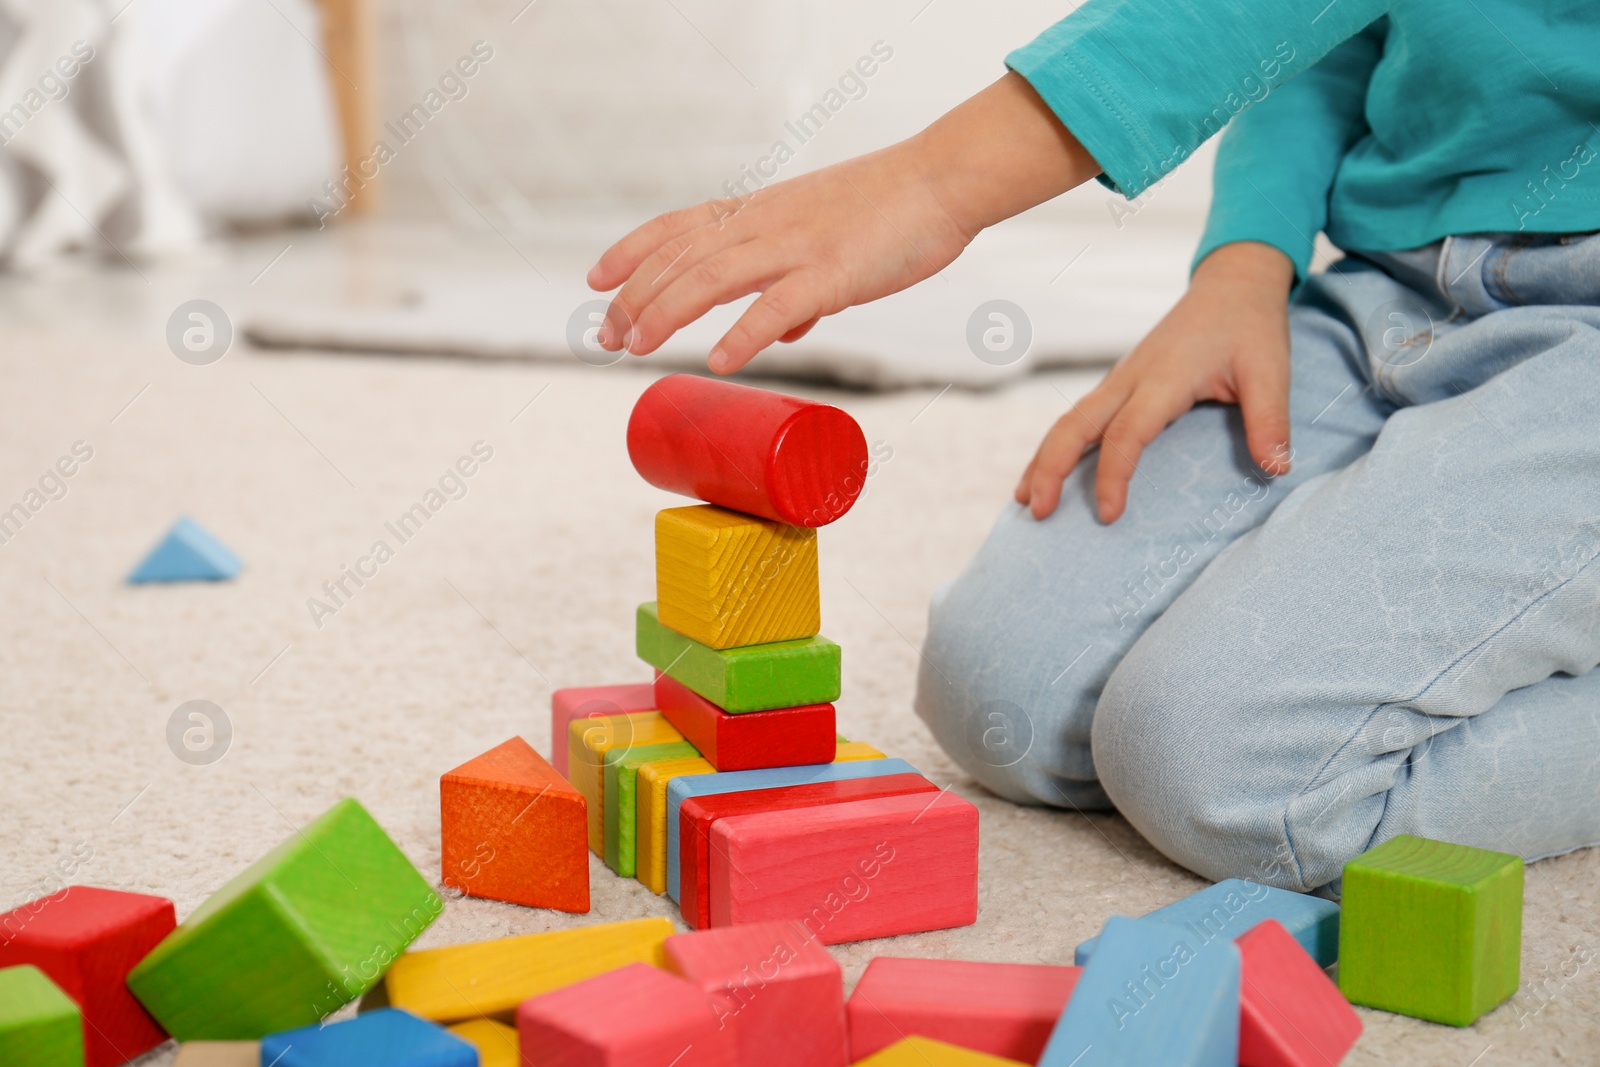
(1267, 677)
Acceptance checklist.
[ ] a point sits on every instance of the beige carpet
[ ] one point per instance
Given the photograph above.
(526, 584)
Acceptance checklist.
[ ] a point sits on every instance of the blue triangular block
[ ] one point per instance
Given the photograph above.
(187, 554)
(1152, 994)
(387, 1037)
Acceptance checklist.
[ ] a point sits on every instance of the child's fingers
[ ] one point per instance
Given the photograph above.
(794, 300)
(1263, 387)
(800, 330)
(717, 279)
(1066, 442)
(659, 270)
(622, 259)
(1138, 423)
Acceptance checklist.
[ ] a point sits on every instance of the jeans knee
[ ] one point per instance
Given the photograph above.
(1174, 758)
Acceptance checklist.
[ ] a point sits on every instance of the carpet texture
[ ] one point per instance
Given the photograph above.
(525, 583)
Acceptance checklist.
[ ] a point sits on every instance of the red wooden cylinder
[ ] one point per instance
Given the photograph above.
(752, 450)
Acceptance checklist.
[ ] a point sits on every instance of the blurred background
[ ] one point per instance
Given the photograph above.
(433, 176)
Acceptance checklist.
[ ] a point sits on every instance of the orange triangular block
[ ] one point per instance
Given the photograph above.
(513, 829)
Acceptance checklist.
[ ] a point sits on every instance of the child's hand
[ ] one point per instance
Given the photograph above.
(819, 243)
(1226, 340)
(813, 245)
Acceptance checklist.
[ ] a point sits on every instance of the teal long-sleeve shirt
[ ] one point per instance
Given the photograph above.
(1386, 124)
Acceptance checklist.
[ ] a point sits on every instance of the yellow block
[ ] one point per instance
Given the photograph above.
(488, 979)
(650, 866)
(218, 1054)
(728, 579)
(926, 1052)
(588, 741)
(496, 1042)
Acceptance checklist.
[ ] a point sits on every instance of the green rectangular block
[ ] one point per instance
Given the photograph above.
(621, 815)
(39, 1024)
(1431, 930)
(782, 674)
(308, 927)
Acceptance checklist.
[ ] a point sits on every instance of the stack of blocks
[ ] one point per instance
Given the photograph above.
(723, 783)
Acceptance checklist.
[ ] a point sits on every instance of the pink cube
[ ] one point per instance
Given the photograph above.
(636, 1016)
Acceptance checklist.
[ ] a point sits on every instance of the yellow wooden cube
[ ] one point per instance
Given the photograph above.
(926, 1052)
(488, 979)
(496, 1042)
(728, 580)
(588, 742)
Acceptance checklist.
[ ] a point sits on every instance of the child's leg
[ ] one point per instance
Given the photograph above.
(1397, 649)
(1020, 645)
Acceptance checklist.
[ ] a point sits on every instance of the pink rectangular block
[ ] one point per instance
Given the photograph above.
(774, 985)
(1290, 1012)
(591, 702)
(869, 868)
(636, 1016)
(1003, 1009)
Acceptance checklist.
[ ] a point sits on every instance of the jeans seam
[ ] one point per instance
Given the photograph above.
(1446, 669)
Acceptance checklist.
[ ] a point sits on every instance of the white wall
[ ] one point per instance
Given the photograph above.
(600, 105)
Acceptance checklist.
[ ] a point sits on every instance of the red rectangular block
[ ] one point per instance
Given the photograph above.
(783, 737)
(869, 868)
(592, 702)
(1003, 1009)
(698, 814)
(87, 940)
(636, 1016)
(1290, 1012)
(774, 986)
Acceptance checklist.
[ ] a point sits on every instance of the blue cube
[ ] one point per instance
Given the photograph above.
(387, 1037)
(1233, 906)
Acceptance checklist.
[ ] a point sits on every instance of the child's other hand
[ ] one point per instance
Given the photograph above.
(821, 242)
(1226, 340)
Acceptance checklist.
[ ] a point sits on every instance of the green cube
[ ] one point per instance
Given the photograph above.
(39, 1024)
(780, 674)
(1431, 930)
(308, 927)
(622, 797)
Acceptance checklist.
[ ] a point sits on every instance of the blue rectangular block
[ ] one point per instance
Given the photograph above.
(704, 785)
(387, 1037)
(1234, 906)
(1151, 994)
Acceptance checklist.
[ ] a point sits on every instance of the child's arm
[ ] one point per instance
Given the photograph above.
(819, 243)
(1228, 338)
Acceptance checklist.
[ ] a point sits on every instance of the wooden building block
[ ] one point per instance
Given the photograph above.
(496, 1043)
(621, 775)
(752, 450)
(685, 786)
(187, 553)
(513, 829)
(697, 815)
(1235, 905)
(782, 737)
(779, 674)
(39, 1024)
(869, 868)
(1290, 1012)
(387, 1037)
(592, 702)
(218, 1054)
(774, 986)
(636, 1016)
(300, 932)
(587, 744)
(726, 579)
(1431, 930)
(1003, 1009)
(490, 978)
(927, 1052)
(652, 802)
(86, 940)
(1151, 993)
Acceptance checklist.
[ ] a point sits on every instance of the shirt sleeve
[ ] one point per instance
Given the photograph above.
(1142, 83)
(1276, 164)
